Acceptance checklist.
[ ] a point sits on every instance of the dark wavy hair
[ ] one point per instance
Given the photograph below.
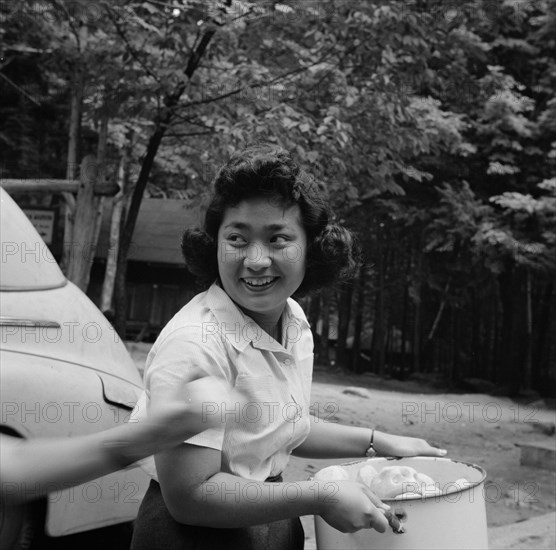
(269, 171)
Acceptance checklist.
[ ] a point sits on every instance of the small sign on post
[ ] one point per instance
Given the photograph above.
(44, 222)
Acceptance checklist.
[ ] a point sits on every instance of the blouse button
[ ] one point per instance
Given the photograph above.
(287, 362)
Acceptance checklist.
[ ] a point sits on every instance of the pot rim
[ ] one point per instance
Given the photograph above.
(425, 458)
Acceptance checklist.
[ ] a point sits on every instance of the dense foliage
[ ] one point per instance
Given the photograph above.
(432, 123)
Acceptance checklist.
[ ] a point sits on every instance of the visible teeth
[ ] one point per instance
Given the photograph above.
(259, 282)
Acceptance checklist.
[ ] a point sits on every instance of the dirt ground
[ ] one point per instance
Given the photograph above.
(478, 428)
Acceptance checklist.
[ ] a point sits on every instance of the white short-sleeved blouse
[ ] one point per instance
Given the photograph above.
(211, 332)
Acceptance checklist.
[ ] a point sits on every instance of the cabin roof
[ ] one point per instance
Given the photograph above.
(158, 231)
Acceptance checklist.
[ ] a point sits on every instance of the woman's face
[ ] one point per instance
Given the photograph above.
(261, 256)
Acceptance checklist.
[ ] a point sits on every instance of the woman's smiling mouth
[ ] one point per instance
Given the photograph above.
(258, 282)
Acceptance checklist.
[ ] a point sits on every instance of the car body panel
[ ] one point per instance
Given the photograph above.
(57, 398)
(105, 501)
(23, 251)
(67, 326)
(64, 373)
(44, 409)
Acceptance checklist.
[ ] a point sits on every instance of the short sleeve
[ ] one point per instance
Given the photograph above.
(175, 356)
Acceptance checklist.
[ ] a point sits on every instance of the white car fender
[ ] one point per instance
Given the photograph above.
(108, 500)
(34, 395)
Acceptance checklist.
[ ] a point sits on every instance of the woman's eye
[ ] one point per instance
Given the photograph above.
(236, 239)
(279, 239)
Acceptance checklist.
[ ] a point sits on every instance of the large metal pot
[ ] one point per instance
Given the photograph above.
(456, 520)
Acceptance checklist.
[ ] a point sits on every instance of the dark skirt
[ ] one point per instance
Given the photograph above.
(156, 529)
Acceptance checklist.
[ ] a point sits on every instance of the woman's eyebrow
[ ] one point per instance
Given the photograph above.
(246, 226)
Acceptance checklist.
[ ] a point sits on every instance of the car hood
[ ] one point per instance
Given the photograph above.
(63, 324)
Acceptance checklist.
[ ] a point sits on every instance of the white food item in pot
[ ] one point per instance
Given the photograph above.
(457, 485)
(332, 473)
(427, 485)
(424, 479)
(395, 480)
(366, 475)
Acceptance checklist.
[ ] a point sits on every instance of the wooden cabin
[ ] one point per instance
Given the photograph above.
(158, 283)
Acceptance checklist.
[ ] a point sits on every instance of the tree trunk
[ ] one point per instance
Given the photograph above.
(496, 344)
(389, 353)
(81, 256)
(358, 328)
(344, 315)
(324, 348)
(528, 351)
(476, 331)
(314, 312)
(111, 257)
(488, 337)
(170, 102)
(119, 207)
(437, 318)
(102, 169)
(98, 201)
(416, 348)
(405, 306)
(509, 291)
(452, 349)
(543, 331)
(120, 302)
(73, 152)
(379, 330)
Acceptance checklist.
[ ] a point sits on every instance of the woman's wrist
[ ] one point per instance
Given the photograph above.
(321, 495)
(371, 451)
(378, 446)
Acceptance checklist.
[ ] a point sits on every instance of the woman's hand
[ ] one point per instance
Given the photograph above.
(350, 506)
(399, 445)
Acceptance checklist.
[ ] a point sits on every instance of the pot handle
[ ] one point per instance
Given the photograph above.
(394, 520)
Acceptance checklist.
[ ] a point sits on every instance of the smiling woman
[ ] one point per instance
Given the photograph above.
(269, 174)
(268, 235)
(261, 264)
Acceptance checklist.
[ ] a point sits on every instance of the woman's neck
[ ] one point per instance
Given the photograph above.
(271, 324)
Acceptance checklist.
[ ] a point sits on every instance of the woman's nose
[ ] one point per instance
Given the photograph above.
(258, 256)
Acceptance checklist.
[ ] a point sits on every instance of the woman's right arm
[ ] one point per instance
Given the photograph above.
(198, 493)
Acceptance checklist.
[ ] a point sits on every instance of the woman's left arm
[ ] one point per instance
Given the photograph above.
(331, 440)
